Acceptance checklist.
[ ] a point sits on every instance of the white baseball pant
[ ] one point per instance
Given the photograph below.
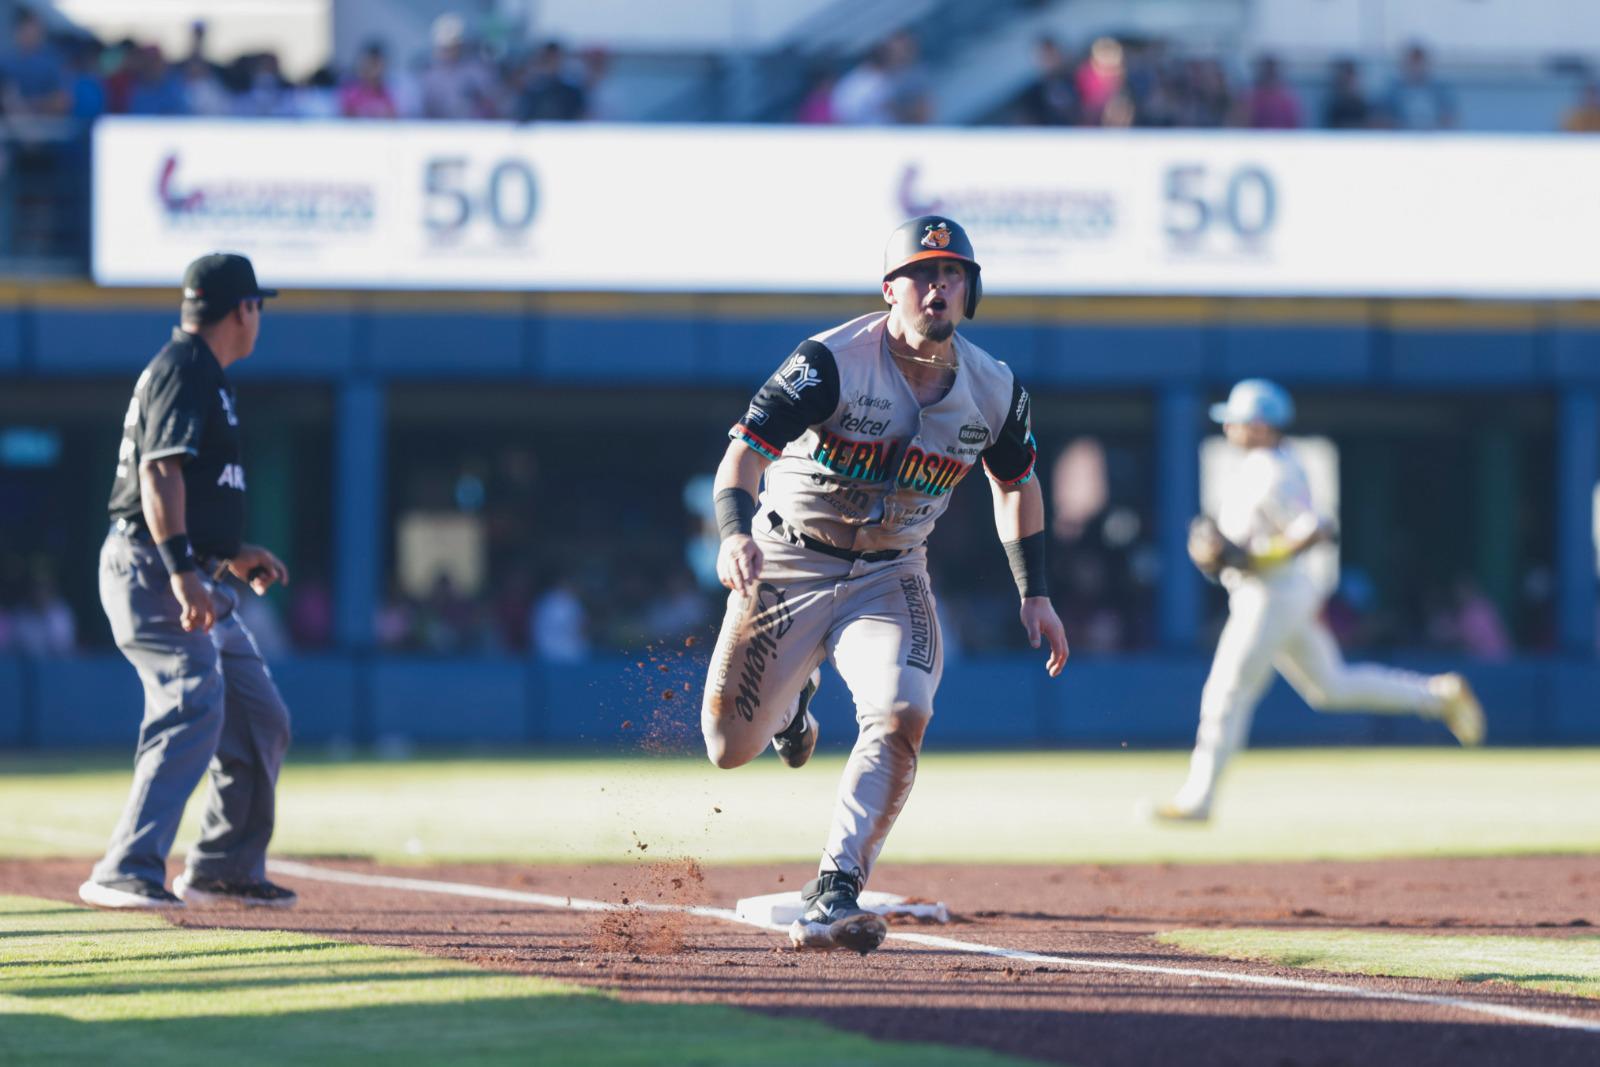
(1273, 622)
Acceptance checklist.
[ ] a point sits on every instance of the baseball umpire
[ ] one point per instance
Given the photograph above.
(862, 434)
(177, 525)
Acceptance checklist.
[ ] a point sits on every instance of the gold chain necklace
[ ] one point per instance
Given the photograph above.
(912, 357)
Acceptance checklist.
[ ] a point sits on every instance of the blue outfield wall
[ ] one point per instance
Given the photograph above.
(1455, 346)
(1181, 352)
(1141, 701)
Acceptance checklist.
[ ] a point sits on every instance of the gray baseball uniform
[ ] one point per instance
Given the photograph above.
(861, 473)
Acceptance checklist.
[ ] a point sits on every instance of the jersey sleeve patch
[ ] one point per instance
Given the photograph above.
(175, 407)
(1011, 458)
(802, 393)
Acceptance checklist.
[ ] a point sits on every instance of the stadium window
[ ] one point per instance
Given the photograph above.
(532, 521)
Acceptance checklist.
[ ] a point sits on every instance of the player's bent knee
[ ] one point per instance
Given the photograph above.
(727, 748)
(722, 752)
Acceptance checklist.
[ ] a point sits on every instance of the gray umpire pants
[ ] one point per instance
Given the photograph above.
(209, 704)
(876, 623)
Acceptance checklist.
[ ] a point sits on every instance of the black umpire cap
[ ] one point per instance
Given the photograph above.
(213, 285)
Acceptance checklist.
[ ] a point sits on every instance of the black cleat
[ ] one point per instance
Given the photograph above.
(206, 892)
(833, 918)
(795, 742)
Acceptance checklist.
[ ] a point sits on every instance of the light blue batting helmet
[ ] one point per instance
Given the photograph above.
(1256, 400)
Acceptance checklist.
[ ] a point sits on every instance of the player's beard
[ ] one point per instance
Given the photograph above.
(934, 329)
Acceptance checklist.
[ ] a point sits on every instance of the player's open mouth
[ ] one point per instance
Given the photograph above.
(936, 304)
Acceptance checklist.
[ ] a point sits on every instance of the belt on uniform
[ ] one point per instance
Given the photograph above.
(804, 540)
(215, 566)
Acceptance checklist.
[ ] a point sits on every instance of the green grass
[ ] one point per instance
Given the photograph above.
(971, 807)
(1570, 966)
(80, 986)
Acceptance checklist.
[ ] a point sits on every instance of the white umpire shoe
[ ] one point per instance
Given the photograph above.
(1462, 715)
(130, 892)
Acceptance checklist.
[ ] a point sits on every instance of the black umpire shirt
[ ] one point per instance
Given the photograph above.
(183, 406)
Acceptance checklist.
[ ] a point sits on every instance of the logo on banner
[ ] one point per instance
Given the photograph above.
(998, 208)
(265, 205)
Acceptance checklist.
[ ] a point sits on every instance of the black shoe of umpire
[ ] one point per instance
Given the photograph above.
(795, 742)
(834, 917)
(205, 892)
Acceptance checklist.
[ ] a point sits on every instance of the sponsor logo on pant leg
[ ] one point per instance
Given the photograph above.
(924, 634)
(770, 620)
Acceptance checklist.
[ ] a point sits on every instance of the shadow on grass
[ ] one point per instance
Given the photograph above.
(142, 984)
(1233, 1032)
(49, 931)
(225, 957)
(576, 1028)
(557, 1029)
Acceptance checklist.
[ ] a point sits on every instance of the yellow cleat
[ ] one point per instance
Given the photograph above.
(1462, 714)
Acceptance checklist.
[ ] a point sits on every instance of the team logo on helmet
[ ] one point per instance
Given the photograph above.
(938, 236)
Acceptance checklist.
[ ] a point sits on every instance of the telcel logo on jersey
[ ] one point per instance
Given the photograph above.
(861, 424)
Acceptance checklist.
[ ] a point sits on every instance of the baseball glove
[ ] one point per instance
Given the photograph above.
(1211, 552)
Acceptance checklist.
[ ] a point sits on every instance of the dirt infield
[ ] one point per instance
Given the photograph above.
(1050, 1012)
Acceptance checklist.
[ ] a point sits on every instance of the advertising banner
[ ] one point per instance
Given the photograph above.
(379, 205)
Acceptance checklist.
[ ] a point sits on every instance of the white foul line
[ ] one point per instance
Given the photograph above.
(294, 869)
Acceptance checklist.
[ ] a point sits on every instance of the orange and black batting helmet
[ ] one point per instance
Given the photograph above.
(933, 237)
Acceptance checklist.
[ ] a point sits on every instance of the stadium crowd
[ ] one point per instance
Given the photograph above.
(81, 77)
(482, 72)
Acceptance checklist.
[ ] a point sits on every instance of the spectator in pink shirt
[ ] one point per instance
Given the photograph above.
(817, 107)
(367, 96)
(1270, 104)
(1100, 79)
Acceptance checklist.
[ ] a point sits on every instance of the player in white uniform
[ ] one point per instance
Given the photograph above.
(1265, 524)
(862, 434)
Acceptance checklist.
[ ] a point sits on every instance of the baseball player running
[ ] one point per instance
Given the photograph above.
(862, 434)
(1254, 548)
(210, 705)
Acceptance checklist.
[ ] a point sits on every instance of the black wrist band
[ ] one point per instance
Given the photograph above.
(177, 554)
(736, 512)
(1027, 565)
